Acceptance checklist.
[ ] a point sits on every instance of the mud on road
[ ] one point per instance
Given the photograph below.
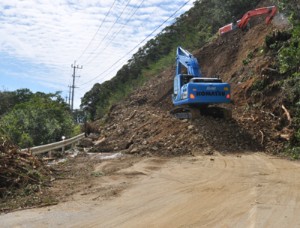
(249, 190)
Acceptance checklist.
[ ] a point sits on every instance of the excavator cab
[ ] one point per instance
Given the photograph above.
(180, 80)
(185, 78)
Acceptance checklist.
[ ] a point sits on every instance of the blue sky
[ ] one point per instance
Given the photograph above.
(40, 39)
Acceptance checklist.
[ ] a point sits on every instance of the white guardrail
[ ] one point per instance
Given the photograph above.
(54, 146)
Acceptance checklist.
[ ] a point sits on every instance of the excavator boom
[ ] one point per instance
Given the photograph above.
(270, 11)
(186, 59)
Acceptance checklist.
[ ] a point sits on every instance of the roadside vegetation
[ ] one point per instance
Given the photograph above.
(31, 119)
(284, 46)
(289, 60)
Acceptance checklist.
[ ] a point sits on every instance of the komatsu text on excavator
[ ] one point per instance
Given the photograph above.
(193, 93)
(270, 11)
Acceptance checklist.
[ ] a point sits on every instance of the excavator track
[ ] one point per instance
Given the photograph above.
(195, 112)
(185, 113)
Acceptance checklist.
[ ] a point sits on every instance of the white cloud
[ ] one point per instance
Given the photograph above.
(53, 33)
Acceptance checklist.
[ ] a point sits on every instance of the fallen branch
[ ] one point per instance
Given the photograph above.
(130, 117)
(287, 114)
(268, 70)
(262, 137)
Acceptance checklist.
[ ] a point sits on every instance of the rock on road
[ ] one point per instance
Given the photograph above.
(253, 190)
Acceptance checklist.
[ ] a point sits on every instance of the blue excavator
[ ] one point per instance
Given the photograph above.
(193, 95)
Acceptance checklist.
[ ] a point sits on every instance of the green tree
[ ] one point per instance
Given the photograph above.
(8, 99)
(289, 57)
(43, 119)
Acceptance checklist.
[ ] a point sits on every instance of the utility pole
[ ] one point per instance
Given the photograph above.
(73, 85)
(70, 91)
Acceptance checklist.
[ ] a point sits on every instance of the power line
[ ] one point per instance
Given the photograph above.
(106, 73)
(97, 30)
(113, 36)
(89, 61)
(136, 45)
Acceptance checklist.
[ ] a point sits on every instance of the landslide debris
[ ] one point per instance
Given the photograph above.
(142, 125)
(21, 174)
(19, 168)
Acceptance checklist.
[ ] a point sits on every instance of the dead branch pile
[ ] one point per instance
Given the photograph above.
(19, 169)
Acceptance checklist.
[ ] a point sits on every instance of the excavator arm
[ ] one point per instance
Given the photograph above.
(186, 59)
(243, 22)
(270, 11)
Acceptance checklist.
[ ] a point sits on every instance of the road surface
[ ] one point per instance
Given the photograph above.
(253, 190)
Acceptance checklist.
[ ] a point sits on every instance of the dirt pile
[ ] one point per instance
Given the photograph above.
(243, 59)
(142, 123)
(23, 178)
(19, 169)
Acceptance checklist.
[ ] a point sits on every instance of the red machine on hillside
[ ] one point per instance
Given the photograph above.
(243, 22)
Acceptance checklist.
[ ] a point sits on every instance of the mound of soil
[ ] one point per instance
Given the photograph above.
(142, 123)
(23, 178)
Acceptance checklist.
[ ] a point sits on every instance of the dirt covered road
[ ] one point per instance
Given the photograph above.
(253, 190)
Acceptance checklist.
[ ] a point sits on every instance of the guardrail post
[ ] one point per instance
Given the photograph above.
(50, 154)
(63, 147)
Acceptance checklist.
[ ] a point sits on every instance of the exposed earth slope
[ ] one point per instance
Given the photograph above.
(142, 124)
(176, 173)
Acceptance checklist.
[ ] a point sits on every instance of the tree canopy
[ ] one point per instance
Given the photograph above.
(31, 119)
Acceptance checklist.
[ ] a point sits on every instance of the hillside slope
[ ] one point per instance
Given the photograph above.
(142, 124)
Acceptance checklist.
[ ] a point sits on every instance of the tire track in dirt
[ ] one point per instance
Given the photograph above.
(252, 190)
